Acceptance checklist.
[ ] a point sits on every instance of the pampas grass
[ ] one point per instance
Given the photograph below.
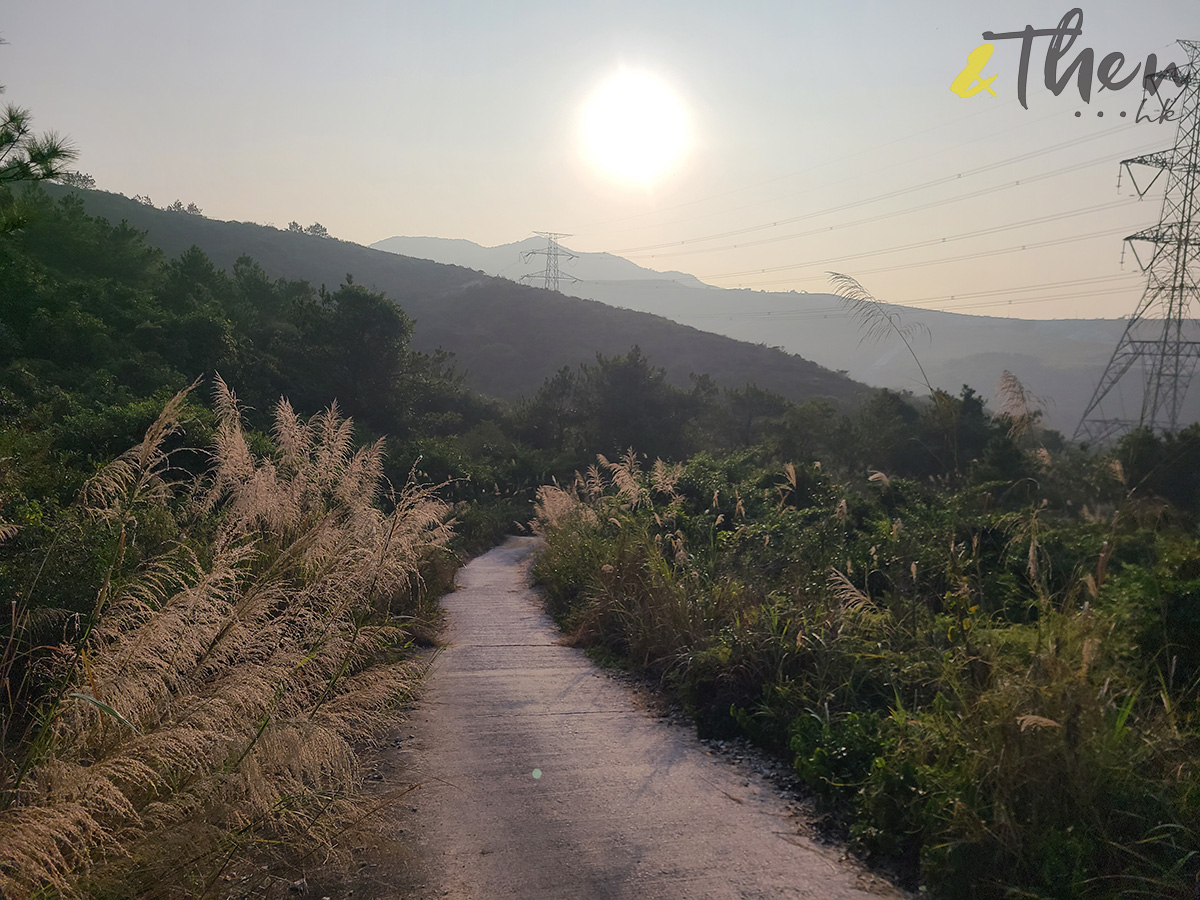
(212, 700)
(876, 320)
(1019, 405)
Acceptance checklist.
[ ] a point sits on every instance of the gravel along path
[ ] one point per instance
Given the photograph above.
(541, 777)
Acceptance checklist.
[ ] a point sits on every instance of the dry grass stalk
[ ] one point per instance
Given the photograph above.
(593, 483)
(556, 507)
(626, 475)
(1036, 723)
(218, 699)
(1018, 404)
(845, 591)
(588, 499)
(842, 512)
(664, 477)
(876, 320)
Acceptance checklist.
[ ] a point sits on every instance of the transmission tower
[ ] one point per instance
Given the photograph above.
(1162, 333)
(552, 253)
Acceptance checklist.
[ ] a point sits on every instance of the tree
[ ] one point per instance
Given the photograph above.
(624, 401)
(316, 229)
(191, 209)
(365, 341)
(77, 180)
(547, 418)
(27, 156)
(748, 412)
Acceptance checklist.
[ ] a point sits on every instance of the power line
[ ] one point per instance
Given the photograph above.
(774, 199)
(941, 298)
(982, 254)
(933, 204)
(826, 312)
(932, 242)
(957, 121)
(965, 257)
(888, 195)
(995, 304)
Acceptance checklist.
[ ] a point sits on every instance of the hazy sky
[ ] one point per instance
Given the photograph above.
(463, 119)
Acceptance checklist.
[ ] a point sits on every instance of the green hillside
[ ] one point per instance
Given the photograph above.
(974, 642)
(507, 338)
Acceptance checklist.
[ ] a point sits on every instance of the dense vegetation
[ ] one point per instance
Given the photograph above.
(979, 647)
(247, 626)
(507, 338)
(184, 613)
(977, 644)
(197, 624)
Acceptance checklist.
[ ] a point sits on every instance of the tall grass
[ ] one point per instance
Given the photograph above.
(974, 692)
(210, 700)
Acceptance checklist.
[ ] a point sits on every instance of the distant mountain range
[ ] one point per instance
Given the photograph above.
(1059, 360)
(507, 338)
(511, 260)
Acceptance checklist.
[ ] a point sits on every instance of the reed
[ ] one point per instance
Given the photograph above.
(211, 701)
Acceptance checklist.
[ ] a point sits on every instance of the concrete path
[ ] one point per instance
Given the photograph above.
(542, 779)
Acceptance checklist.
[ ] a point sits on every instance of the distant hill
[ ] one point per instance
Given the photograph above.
(1060, 360)
(507, 338)
(509, 261)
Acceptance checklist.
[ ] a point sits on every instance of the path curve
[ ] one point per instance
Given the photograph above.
(542, 779)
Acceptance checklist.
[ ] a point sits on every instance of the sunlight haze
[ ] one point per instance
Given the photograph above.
(807, 137)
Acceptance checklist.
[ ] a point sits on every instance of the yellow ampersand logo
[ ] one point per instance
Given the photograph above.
(970, 81)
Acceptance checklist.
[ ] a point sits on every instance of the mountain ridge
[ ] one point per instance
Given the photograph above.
(1060, 360)
(507, 338)
(496, 259)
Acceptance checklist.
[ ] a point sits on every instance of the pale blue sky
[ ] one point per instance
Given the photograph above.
(460, 119)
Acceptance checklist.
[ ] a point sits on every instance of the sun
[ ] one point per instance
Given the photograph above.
(634, 127)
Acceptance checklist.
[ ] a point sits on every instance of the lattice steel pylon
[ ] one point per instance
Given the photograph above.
(552, 253)
(1161, 334)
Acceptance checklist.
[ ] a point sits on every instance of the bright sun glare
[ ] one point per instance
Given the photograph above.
(635, 127)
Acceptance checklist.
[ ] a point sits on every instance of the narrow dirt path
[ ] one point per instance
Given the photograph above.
(541, 778)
